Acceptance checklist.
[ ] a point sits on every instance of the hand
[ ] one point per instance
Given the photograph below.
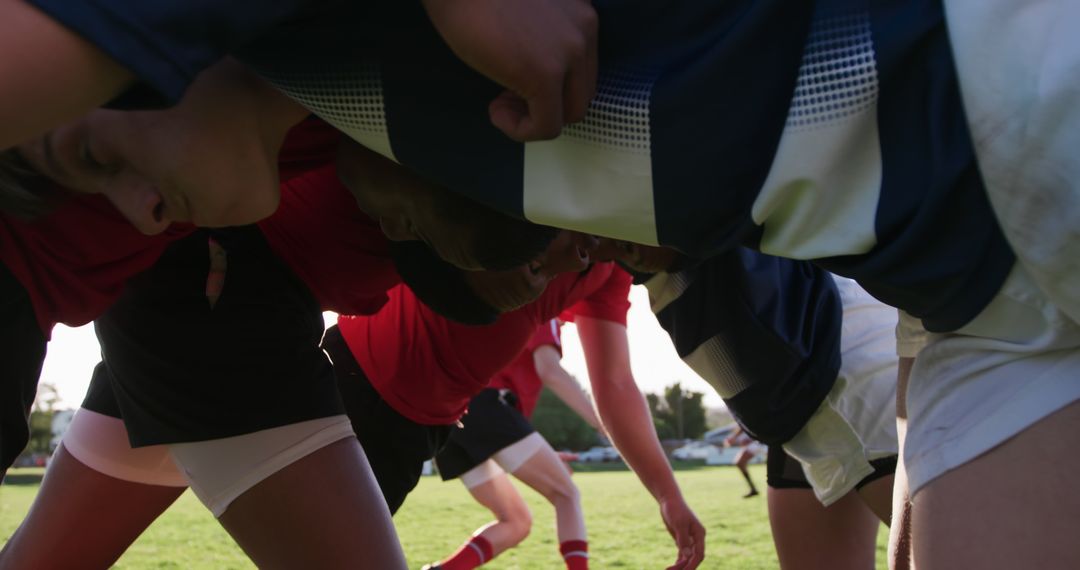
(687, 531)
(542, 51)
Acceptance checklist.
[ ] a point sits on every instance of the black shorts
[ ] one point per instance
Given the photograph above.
(22, 349)
(492, 423)
(785, 472)
(180, 370)
(396, 447)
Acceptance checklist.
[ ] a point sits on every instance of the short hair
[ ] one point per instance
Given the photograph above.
(680, 263)
(23, 192)
(499, 241)
(440, 285)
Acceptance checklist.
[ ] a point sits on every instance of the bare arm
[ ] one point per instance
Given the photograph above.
(626, 416)
(50, 74)
(546, 360)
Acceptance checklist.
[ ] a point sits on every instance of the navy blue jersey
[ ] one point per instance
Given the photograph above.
(831, 131)
(167, 43)
(763, 331)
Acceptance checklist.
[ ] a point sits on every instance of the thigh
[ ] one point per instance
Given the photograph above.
(82, 518)
(973, 390)
(877, 495)
(1012, 507)
(809, 535)
(323, 511)
(499, 496)
(545, 473)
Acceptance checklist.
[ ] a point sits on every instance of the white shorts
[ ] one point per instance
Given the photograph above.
(1016, 363)
(911, 337)
(506, 460)
(101, 443)
(856, 423)
(218, 471)
(221, 470)
(1020, 94)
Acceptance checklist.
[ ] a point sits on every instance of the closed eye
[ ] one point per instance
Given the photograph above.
(87, 157)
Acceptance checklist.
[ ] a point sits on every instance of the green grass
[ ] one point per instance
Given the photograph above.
(625, 530)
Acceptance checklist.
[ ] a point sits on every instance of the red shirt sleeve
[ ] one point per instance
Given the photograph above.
(546, 334)
(330, 244)
(609, 302)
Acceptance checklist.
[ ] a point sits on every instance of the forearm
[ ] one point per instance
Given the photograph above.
(567, 389)
(51, 74)
(626, 416)
(629, 424)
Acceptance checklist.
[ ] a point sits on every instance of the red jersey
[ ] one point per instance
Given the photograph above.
(309, 145)
(74, 260)
(521, 377)
(330, 244)
(428, 368)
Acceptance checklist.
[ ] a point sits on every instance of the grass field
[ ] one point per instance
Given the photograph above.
(624, 525)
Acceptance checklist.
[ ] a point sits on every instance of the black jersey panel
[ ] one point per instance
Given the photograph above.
(779, 322)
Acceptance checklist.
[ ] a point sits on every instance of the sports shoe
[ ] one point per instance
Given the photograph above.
(432, 566)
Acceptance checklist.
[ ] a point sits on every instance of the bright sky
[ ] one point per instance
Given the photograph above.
(74, 352)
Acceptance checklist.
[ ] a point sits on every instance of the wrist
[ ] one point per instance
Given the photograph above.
(669, 494)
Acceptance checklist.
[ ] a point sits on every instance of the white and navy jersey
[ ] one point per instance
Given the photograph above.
(167, 43)
(831, 131)
(762, 330)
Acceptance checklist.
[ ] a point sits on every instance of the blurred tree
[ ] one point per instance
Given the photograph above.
(563, 428)
(41, 418)
(680, 414)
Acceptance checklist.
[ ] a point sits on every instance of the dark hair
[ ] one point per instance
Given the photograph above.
(499, 241)
(440, 285)
(23, 192)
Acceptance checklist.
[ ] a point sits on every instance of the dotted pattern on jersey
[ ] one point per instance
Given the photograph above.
(349, 100)
(618, 117)
(838, 74)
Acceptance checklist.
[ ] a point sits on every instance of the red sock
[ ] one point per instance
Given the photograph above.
(576, 554)
(471, 554)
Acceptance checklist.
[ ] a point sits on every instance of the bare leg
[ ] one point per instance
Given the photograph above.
(1015, 506)
(82, 518)
(900, 529)
(513, 521)
(810, 536)
(878, 495)
(323, 511)
(741, 461)
(545, 473)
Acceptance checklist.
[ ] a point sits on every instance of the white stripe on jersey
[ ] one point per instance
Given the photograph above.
(609, 154)
(820, 198)
(351, 100)
(1019, 69)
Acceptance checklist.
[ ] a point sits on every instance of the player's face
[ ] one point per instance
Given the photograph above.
(409, 208)
(643, 258)
(570, 252)
(417, 219)
(203, 161)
